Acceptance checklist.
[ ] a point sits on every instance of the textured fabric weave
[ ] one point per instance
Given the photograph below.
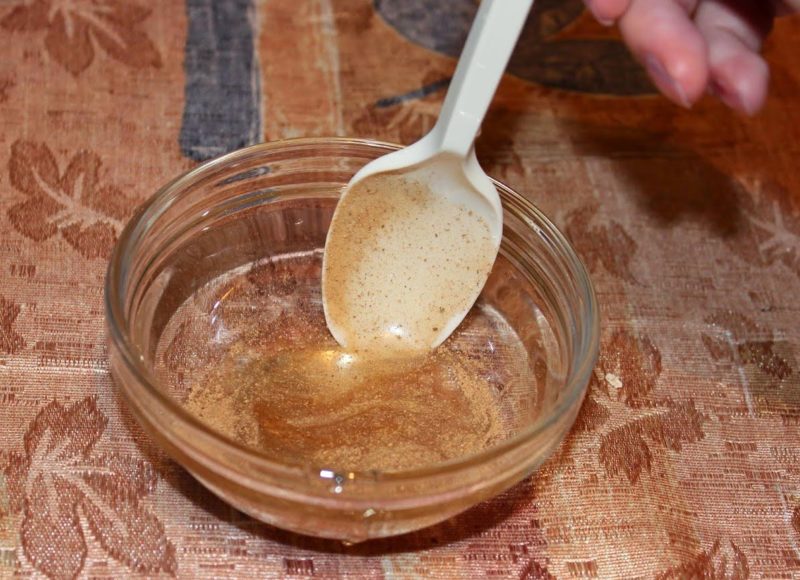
(684, 461)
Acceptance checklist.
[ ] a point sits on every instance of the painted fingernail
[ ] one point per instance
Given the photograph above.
(665, 82)
(731, 98)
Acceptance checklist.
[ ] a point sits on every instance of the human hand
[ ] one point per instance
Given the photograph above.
(693, 46)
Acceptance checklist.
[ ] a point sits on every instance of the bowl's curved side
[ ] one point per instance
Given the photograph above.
(352, 507)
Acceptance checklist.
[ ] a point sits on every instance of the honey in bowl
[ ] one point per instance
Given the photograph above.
(284, 387)
(220, 255)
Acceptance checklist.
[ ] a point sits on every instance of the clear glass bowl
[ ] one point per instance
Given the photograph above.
(170, 320)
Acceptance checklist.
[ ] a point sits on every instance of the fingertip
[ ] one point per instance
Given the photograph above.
(741, 82)
(607, 12)
(688, 67)
(739, 75)
(673, 51)
(664, 81)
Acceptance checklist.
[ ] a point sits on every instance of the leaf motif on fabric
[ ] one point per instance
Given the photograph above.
(607, 244)
(497, 144)
(51, 533)
(760, 353)
(15, 470)
(773, 218)
(187, 352)
(734, 340)
(26, 17)
(593, 414)
(406, 117)
(621, 409)
(404, 122)
(11, 342)
(86, 213)
(60, 434)
(274, 278)
(126, 43)
(533, 570)
(633, 364)
(128, 532)
(722, 561)
(74, 30)
(58, 480)
(120, 476)
(173, 355)
(625, 449)
(6, 84)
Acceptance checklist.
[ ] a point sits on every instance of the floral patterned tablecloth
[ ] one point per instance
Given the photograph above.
(685, 459)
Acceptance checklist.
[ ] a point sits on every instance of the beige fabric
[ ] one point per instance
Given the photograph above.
(684, 462)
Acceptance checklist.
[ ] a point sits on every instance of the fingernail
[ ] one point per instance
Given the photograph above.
(665, 82)
(730, 98)
(600, 19)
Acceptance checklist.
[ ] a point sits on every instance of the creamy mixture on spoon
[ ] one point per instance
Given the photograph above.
(395, 276)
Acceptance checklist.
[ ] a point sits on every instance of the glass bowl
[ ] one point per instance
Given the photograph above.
(196, 268)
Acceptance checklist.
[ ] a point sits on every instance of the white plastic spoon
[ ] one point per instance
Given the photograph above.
(416, 232)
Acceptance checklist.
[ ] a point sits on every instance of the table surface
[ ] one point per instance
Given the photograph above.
(685, 459)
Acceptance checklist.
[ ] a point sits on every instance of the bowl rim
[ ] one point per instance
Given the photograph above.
(116, 322)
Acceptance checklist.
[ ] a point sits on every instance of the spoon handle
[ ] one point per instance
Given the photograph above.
(491, 40)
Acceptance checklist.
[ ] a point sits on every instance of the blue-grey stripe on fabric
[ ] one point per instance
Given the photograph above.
(222, 110)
